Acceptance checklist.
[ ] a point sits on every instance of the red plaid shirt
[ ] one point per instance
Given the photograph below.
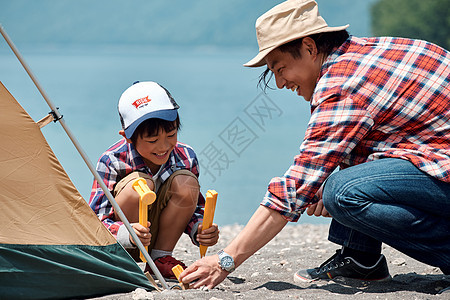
(375, 98)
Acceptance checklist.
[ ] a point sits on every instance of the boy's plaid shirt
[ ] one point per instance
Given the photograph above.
(120, 160)
(375, 98)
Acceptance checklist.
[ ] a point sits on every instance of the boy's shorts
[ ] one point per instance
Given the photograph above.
(154, 210)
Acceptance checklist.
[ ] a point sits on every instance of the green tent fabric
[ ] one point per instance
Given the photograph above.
(52, 245)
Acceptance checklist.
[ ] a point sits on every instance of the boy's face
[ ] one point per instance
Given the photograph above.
(155, 149)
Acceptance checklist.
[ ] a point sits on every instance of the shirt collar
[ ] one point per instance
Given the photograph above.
(135, 158)
(333, 55)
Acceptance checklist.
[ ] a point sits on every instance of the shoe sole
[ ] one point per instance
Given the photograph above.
(300, 279)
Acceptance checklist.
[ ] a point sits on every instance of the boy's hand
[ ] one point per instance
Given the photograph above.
(142, 232)
(208, 237)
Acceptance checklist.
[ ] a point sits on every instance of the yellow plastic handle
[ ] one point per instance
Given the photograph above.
(208, 216)
(146, 197)
(177, 270)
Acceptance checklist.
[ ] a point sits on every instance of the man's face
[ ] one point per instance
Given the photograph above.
(297, 74)
(155, 150)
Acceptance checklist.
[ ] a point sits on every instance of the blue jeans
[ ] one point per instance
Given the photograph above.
(390, 201)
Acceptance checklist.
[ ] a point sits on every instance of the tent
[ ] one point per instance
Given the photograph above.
(52, 245)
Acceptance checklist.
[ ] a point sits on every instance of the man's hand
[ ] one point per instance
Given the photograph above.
(142, 232)
(208, 237)
(262, 227)
(207, 272)
(318, 209)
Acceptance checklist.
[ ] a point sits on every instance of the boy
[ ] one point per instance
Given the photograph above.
(149, 149)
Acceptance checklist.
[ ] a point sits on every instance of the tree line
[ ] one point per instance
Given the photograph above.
(420, 19)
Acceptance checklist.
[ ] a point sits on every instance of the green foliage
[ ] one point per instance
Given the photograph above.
(422, 19)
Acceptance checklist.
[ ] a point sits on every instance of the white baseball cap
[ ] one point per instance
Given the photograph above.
(145, 100)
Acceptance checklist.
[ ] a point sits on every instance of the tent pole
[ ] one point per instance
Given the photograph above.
(94, 172)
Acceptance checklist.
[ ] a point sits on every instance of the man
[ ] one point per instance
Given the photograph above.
(381, 113)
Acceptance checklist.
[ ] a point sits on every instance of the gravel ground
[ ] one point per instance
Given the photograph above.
(269, 273)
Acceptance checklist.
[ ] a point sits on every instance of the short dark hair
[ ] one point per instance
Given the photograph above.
(326, 42)
(152, 126)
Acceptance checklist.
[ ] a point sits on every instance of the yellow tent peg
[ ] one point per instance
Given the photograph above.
(208, 216)
(146, 197)
(177, 270)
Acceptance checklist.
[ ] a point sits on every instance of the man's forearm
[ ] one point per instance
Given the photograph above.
(265, 224)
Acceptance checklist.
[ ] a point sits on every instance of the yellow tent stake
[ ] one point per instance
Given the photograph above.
(210, 207)
(146, 197)
(177, 270)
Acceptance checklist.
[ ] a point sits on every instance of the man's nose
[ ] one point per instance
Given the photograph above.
(280, 82)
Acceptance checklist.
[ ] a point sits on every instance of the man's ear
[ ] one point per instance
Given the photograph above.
(122, 133)
(310, 46)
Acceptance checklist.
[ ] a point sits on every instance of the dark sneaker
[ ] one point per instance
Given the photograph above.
(165, 265)
(339, 265)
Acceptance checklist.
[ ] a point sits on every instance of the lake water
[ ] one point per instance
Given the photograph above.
(242, 137)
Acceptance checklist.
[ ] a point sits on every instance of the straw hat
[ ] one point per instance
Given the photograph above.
(288, 21)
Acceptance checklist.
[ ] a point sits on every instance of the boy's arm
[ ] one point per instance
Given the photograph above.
(197, 217)
(101, 205)
(196, 220)
(105, 212)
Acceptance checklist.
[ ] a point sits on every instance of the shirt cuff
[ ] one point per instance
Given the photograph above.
(123, 237)
(193, 234)
(281, 196)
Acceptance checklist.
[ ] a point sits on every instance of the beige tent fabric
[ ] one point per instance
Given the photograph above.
(39, 203)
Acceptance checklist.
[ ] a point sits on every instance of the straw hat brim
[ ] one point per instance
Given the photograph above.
(258, 60)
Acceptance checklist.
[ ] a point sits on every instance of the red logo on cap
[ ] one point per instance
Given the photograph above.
(141, 101)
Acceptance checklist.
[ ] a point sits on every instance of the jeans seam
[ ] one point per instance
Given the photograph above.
(344, 210)
(374, 177)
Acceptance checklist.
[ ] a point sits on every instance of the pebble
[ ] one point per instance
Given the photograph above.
(141, 294)
(168, 293)
(399, 262)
